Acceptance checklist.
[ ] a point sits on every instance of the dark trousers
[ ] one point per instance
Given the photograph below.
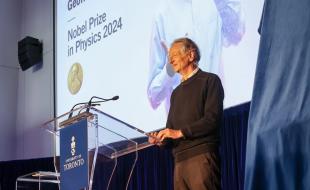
(201, 172)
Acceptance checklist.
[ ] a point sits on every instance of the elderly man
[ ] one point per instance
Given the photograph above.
(193, 124)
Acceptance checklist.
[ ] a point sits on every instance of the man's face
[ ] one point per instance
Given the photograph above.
(177, 58)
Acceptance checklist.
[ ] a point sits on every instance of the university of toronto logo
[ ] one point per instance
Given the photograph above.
(73, 145)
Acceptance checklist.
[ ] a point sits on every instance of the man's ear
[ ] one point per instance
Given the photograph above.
(191, 56)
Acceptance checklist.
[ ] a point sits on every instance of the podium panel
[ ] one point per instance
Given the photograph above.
(38, 180)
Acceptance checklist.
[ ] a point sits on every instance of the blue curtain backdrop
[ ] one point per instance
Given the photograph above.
(278, 146)
(154, 169)
(233, 146)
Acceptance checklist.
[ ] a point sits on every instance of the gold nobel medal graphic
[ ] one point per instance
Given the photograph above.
(75, 78)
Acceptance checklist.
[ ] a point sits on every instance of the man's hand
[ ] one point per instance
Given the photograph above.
(169, 133)
(153, 139)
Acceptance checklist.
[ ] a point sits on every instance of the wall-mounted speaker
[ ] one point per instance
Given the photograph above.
(29, 52)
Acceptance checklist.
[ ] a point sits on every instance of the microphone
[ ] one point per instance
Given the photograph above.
(82, 103)
(115, 98)
(103, 100)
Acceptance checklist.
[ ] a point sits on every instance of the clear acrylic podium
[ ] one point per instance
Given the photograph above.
(108, 139)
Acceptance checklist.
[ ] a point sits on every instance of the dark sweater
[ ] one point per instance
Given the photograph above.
(196, 109)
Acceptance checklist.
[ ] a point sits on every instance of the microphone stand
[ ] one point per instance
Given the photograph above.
(102, 100)
(90, 103)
